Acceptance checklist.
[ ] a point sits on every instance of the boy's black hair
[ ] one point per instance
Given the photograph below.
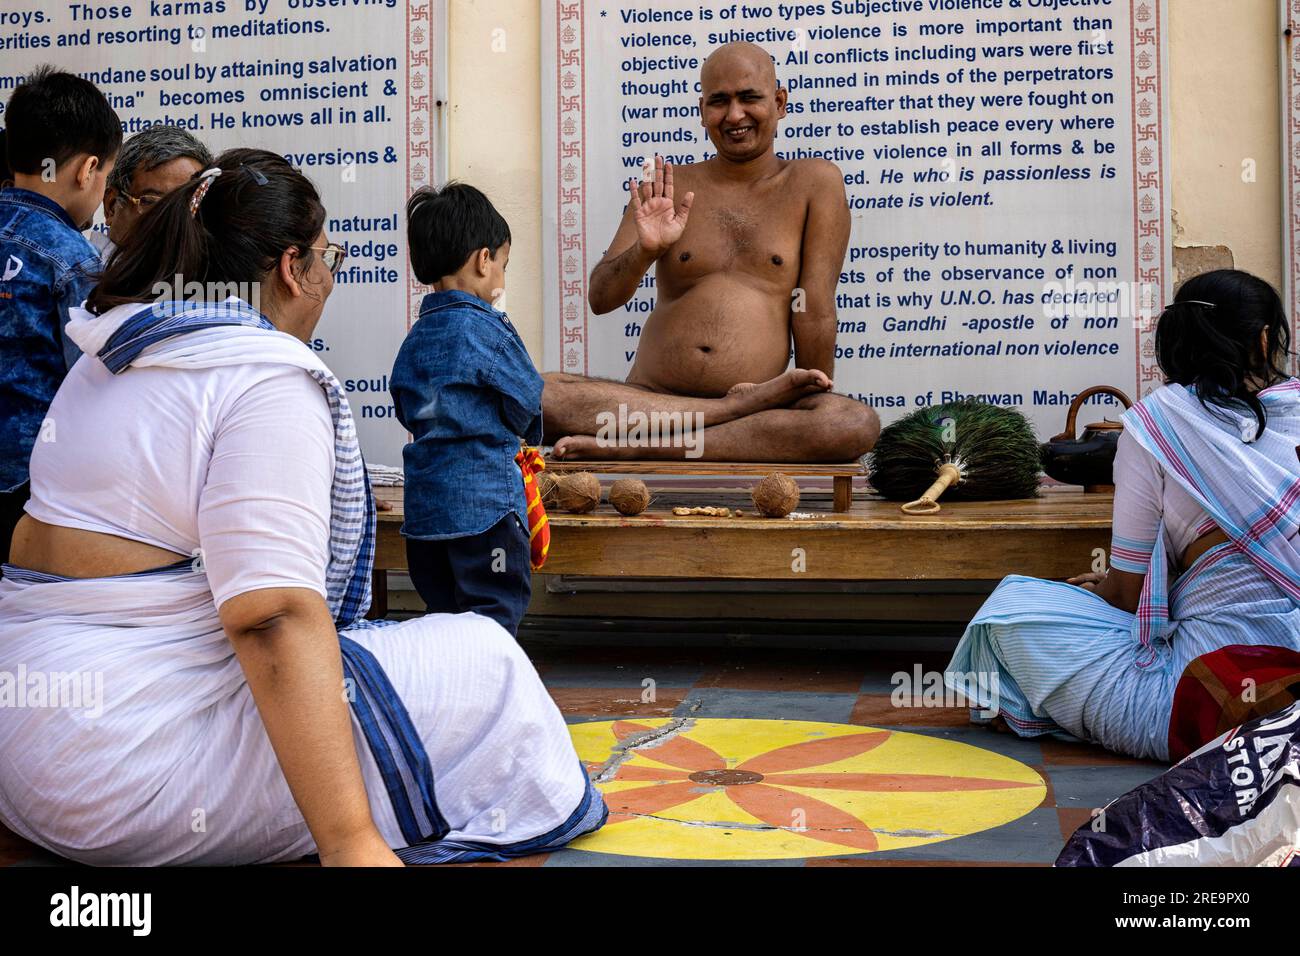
(56, 115)
(444, 227)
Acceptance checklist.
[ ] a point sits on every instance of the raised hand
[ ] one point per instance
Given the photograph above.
(659, 223)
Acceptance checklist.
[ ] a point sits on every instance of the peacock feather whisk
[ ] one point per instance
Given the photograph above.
(982, 452)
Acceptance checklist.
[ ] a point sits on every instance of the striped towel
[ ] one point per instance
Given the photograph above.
(530, 462)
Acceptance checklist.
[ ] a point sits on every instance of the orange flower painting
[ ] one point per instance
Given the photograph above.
(766, 789)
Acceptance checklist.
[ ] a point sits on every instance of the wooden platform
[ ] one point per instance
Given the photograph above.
(841, 475)
(1055, 536)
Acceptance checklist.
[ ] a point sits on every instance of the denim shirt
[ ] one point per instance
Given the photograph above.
(46, 268)
(465, 388)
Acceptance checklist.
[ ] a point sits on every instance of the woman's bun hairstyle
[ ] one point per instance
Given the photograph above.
(1209, 340)
(243, 221)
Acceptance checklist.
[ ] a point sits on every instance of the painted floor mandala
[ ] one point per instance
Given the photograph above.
(723, 789)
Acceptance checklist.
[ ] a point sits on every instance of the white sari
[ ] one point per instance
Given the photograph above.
(463, 753)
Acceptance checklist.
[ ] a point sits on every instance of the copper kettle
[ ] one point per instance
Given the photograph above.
(1088, 460)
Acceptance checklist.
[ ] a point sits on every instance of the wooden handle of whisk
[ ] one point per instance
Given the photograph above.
(928, 503)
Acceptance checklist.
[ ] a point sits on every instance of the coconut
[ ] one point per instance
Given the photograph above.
(776, 496)
(577, 493)
(629, 496)
(546, 488)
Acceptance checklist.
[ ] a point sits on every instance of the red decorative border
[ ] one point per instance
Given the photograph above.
(420, 121)
(1291, 162)
(571, 184)
(1149, 260)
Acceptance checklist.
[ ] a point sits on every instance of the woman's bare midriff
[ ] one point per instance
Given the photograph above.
(76, 553)
(1202, 544)
(721, 332)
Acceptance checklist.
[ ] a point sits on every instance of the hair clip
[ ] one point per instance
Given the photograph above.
(256, 173)
(206, 177)
(1208, 305)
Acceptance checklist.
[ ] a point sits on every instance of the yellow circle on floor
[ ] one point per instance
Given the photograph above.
(723, 789)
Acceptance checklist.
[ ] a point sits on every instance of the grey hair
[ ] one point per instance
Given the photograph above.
(150, 148)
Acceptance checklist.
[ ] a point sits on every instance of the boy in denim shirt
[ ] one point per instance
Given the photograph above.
(61, 137)
(464, 386)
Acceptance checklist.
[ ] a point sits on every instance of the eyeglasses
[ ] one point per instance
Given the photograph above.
(143, 203)
(332, 255)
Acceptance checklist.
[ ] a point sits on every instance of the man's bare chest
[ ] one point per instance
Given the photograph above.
(761, 235)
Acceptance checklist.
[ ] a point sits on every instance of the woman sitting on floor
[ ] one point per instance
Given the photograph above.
(1205, 558)
(198, 547)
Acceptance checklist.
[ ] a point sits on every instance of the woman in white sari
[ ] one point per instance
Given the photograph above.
(192, 679)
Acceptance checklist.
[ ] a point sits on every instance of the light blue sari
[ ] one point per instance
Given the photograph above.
(1067, 660)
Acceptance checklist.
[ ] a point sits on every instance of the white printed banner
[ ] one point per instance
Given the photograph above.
(1005, 162)
(351, 93)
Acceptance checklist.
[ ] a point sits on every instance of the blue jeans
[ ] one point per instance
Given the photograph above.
(487, 573)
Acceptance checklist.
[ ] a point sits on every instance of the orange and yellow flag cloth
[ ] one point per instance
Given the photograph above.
(530, 462)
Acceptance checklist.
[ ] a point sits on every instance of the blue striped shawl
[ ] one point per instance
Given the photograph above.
(1250, 489)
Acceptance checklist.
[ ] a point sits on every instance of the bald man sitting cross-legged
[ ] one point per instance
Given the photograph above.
(746, 261)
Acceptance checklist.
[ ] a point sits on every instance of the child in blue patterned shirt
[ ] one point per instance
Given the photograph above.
(464, 386)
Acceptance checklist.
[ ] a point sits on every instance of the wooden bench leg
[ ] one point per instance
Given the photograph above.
(843, 485)
(378, 595)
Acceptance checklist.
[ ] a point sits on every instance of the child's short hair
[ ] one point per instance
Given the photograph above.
(56, 115)
(444, 227)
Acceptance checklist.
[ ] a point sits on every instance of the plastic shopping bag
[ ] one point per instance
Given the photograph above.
(1234, 802)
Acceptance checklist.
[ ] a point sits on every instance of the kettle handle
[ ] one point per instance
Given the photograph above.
(1069, 433)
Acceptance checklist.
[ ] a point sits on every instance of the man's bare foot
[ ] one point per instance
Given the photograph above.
(589, 448)
(781, 391)
(741, 400)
